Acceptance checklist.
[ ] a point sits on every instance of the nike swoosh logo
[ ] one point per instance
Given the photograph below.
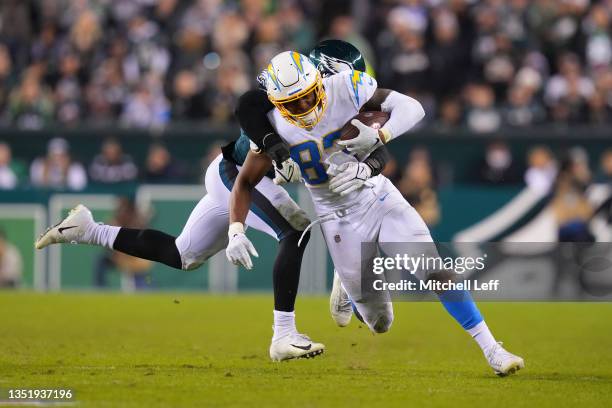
(61, 230)
(308, 347)
(383, 197)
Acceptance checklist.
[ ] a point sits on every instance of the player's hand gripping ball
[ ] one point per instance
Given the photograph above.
(361, 134)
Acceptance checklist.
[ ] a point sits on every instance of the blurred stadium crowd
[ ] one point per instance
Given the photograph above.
(481, 64)
(477, 65)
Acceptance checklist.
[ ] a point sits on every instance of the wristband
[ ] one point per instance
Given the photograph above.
(235, 228)
(385, 135)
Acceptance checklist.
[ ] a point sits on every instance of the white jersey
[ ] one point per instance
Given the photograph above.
(346, 93)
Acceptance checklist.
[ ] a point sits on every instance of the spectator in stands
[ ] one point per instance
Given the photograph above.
(30, 105)
(161, 167)
(345, 27)
(11, 264)
(600, 110)
(147, 106)
(231, 82)
(7, 76)
(75, 61)
(448, 57)
(570, 205)
(8, 177)
(521, 108)
(417, 186)
(498, 166)
(404, 62)
(112, 165)
(189, 99)
(542, 169)
(567, 93)
(481, 115)
(606, 167)
(107, 90)
(598, 46)
(450, 115)
(68, 91)
(57, 170)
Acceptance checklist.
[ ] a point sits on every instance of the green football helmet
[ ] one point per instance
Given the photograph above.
(333, 56)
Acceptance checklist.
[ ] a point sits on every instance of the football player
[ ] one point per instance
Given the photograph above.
(205, 233)
(308, 116)
(330, 57)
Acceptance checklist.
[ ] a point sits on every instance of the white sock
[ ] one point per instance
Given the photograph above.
(101, 235)
(284, 324)
(482, 335)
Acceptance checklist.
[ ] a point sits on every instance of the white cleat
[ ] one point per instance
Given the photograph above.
(295, 345)
(502, 361)
(71, 229)
(340, 304)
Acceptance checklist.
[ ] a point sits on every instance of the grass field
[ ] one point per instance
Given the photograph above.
(196, 350)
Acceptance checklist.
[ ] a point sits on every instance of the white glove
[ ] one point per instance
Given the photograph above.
(350, 177)
(366, 141)
(239, 246)
(288, 173)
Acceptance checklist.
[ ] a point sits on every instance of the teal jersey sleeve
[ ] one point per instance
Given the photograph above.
(241, 148)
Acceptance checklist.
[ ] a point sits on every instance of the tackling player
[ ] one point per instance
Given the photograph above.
(309, 113)
(205, 232)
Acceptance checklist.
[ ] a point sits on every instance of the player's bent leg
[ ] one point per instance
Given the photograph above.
(402, 225)
(79, 227)
(374, 308)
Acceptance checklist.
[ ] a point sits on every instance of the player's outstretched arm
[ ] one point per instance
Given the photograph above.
(240, 248)
(405, 112)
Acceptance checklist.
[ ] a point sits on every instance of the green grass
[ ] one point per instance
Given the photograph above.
(197, 350)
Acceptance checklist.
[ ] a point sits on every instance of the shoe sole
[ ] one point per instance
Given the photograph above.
(311, 354)
(512, 370)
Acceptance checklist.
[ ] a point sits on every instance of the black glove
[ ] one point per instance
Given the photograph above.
(274, 146)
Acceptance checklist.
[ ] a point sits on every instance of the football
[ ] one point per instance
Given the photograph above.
(374, 119)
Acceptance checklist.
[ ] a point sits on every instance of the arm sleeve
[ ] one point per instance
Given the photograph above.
(405, 111)
(251, 111)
